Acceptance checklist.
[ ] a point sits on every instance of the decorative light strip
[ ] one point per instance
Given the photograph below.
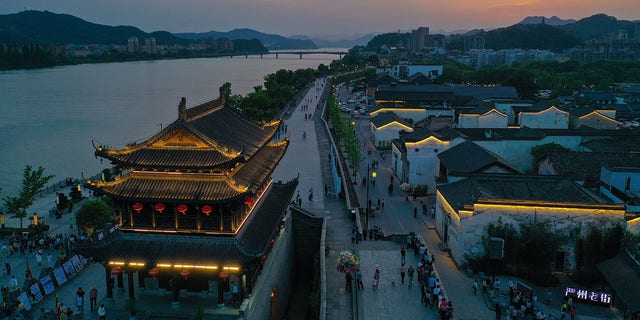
(117, 263)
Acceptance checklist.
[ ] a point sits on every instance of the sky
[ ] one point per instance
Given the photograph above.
(322, 17)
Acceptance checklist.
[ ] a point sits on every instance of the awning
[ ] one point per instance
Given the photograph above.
(623, 275)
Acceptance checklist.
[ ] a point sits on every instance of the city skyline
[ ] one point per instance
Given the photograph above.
(328, 17)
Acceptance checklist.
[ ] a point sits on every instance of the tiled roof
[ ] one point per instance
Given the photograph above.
(249, 245)
(482, 109)
(513, 187)
(228, 128)
(168, 187)
(166, 158)
(469, 157)
(260, 167)
(442, 92)
(196, 187)
(223, 133)
(522, 133)
(580, 166)
(384, 118)
(628, 144)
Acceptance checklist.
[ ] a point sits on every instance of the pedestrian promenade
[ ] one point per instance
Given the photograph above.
(307, 158)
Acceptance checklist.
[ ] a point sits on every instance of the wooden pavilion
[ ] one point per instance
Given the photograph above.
(195, 206)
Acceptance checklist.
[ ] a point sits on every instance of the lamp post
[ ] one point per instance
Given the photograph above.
(370, 178)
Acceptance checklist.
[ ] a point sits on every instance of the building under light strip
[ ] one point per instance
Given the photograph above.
(194, 203)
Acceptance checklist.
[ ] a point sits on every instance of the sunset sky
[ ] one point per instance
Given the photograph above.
(322, 17)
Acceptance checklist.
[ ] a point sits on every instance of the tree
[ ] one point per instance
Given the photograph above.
(540, 151)
(33, 181)
(94, 213)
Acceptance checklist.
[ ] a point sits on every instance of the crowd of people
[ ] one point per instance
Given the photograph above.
(41, 252)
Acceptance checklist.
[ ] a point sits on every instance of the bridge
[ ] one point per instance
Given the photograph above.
(297, 53)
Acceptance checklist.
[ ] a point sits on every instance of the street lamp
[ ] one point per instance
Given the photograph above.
(369, 180)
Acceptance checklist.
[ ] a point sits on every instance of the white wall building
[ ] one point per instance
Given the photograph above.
(465, 208)
(549, 118)
(483, 117)
(415, 156)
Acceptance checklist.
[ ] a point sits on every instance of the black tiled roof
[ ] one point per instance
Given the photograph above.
(469, 157)
(513, 187)
(417, 135)
(164, 187)
(228, 128)
(482, 109)
(628, 144)
(170, 158)
(220, 127)
(249, 245)
(260, 167)
(586, 165)
(384, 118)
(522, 133)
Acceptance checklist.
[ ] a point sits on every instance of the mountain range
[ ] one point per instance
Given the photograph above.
(532, 32)
(270, 41)
(553, 21)
(53, 28)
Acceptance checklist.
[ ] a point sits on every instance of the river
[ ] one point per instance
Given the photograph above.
(48, 117)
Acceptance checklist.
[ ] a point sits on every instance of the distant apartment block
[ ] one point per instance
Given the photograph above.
(150, 46)
(419, 38)
(133, 45)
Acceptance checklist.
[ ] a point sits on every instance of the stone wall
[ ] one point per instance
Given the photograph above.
(277, 274)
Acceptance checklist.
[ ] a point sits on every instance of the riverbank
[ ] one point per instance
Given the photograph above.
(50, 62)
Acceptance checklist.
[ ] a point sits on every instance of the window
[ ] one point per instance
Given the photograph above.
(417, 149)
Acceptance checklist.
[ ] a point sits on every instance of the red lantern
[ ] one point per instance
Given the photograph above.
(185, 273)
(116, 270)
(182, 208)
(224, 275)
(137, 206)
(206, 209)
(159, 207)
(248, 201)
(154, 272)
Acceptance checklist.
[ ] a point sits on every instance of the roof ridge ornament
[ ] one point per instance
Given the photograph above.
(182, 109)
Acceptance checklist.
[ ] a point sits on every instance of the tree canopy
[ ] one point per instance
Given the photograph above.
(33, 181)
(94, 213)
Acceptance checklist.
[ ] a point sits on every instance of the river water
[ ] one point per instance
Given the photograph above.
(48, 117)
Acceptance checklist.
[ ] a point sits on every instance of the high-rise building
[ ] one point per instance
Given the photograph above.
(133, 45)
(419, 38)
(150, 46)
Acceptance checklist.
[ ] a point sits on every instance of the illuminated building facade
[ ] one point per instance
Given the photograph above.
(195, 206)
(466, 207)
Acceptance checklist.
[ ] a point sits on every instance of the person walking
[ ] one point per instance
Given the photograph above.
(498, 311)
(80, 299)
(403, 271)
(410, 273)
(403, 256)
(475, 287)
(93, 296)
(235, 290)
(348, 278)
(359, 283)
(573, 312)
(102, 312)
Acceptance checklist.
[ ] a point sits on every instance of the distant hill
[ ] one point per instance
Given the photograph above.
(553, 21)
(338, 41)
(271, 41)
(530, 36)
(48, 27)
(597, 26)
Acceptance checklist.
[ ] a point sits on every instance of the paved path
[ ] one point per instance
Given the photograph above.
(308, 158)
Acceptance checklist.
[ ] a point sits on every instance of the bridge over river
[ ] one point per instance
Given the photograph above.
(297, 53)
